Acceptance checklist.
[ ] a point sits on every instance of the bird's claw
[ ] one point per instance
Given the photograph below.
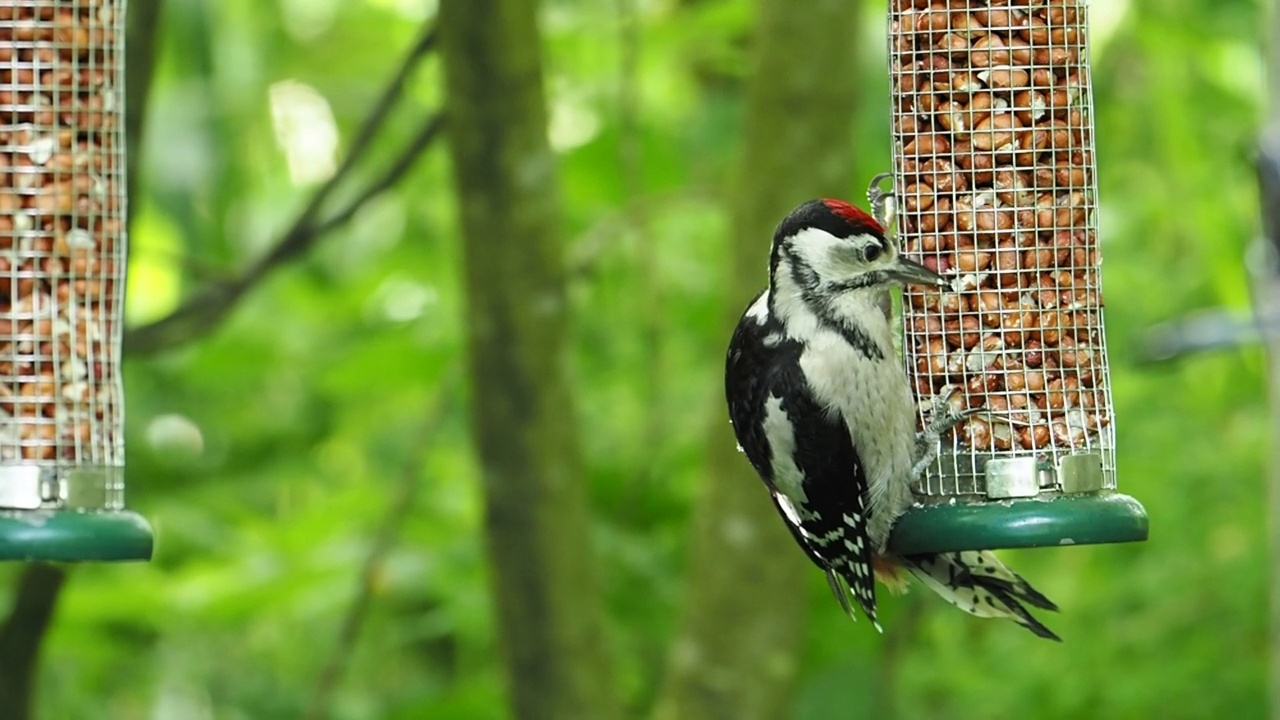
(881, 200)
(943, 417)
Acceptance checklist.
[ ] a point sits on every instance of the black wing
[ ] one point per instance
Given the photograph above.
(746, 387)
(831, 525)
(747, 383)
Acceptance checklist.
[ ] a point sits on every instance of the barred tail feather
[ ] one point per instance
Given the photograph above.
(837, 548)
(979, 584)
(843, 590)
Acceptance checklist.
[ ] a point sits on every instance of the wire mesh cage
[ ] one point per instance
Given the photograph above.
(995, 181)
(62, 265)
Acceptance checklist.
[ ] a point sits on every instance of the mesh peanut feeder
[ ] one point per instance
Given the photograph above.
(62, 264)
(994, 176)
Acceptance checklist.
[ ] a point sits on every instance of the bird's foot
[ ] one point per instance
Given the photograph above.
(943, 417)
(881, 200)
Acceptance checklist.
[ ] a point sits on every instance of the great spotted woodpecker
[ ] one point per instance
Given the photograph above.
(821, 406)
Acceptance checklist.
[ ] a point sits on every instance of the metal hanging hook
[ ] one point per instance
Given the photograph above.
(881, 201)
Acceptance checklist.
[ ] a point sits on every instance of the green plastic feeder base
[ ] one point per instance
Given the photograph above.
(72, 535)
(1064, 520)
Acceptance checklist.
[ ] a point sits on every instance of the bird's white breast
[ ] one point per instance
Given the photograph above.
(872, 397)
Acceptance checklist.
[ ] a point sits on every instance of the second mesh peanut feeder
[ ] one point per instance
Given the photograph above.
(62, 266)
(994, 174)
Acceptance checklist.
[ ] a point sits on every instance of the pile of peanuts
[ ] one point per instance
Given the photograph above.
(61, 231)
(994, 172)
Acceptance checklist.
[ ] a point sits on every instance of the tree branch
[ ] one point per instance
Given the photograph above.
(143, 20)
(22, 635)
(202, 312)
(389, 178)
(372, 125)
(401, 504)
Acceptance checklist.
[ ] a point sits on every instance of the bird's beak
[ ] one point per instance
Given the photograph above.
(910, 272)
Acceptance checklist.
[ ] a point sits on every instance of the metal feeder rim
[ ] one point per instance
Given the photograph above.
(1093, 519)
(74, 535)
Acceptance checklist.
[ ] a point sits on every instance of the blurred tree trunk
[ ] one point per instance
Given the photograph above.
(735, 653)
(548, 603)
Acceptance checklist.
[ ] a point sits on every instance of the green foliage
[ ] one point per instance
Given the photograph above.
(304, 401)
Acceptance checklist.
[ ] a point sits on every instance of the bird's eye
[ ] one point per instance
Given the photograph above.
(871, 252)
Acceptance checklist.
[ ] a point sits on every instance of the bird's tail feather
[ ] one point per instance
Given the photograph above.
(841, 589)
(979, 584)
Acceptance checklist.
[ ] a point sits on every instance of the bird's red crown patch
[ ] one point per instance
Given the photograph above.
(852, 213)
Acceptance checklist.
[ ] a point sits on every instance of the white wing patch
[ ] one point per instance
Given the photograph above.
(793, 516)
(787, 477)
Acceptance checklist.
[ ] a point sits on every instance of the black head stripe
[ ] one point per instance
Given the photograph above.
(801, 274)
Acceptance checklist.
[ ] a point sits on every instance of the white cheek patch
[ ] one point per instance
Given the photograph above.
(820, 252)
(832, 258)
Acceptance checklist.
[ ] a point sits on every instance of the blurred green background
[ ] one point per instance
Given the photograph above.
(266, 451)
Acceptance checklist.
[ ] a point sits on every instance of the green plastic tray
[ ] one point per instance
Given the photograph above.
(1064, 520)
(74, 535)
